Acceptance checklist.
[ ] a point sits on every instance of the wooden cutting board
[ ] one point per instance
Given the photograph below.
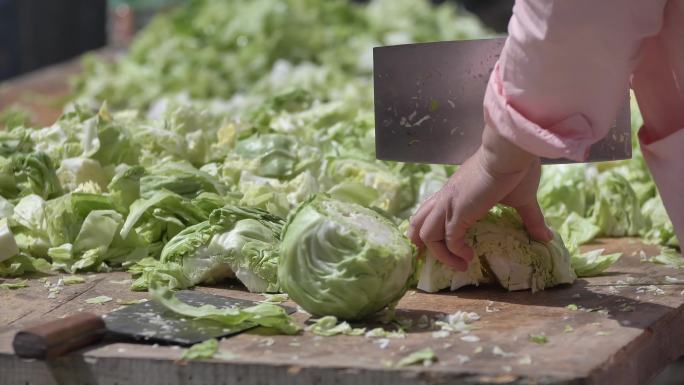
(632, 331)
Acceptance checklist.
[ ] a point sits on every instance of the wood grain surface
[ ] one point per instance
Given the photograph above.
(624, 332)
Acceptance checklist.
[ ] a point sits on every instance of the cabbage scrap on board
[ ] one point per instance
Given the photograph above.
(506, 255)
(341, 259)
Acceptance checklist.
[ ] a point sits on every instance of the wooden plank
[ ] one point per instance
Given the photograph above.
(631, 334)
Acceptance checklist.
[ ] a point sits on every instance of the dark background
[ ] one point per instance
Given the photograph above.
(37, 33)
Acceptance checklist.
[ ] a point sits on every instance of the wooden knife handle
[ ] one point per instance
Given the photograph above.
(59, 337)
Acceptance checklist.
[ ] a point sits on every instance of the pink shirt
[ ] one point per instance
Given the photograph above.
(565, 68)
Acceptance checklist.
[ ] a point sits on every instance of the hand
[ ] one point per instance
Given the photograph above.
(498, 172)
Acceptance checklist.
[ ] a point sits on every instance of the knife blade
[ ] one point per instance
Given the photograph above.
(428, 103)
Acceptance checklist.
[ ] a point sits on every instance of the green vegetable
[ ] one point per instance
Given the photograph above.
(234, 241)
(668, 257)
(73, 280)
(328, 326)
(564, 191)
(593, 262)
(275, 298)
(152, 222)
(28, 173)
(180, 178)
(15, 116)
(22, 264)
(203, 350)
(74, 172)
(382, 333)
(263, 314)
(81, 227)
(261, 123)
(617, 211)
(239, 51)
(540, 339)
(660, 229)
(506, 255)
(369, 184)
(130, 301)
(8, 245)
(14, 285)
(124, 188)
(577, 230)
(99, 300)
(425, 357)
(342, 259)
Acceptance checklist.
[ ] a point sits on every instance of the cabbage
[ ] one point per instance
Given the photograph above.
(256, 122)
(563, 190)
(28, 173)
(181, 178)
(616, 211)
(264, 314)
(276, 197)
(506, 255)
(73, 172)
(6, 208)
(369, 183)
(8, 245)
(660, 229)
(342, 259)
(593, 262)
(235, 241)
(22, 264)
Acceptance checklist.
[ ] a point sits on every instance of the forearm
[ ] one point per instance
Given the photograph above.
(501, 156)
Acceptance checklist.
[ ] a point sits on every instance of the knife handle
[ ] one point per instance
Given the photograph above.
(58, 337)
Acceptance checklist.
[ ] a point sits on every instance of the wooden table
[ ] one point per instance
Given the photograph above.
(624, 332)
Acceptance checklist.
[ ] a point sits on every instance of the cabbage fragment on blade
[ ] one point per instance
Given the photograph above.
(342, 259)
(263, 314)
(506, 254)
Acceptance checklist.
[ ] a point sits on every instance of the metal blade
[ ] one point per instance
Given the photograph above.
(428, 103)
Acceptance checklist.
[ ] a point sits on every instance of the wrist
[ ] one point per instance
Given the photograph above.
(501, 156)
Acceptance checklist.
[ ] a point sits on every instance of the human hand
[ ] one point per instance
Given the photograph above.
(498, 172)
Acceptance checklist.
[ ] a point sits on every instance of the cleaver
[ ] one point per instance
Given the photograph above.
(146, 322)
(428, 103)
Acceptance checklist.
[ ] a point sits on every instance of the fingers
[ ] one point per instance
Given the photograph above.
(416, 222)
(455, 240)
(533, 218)
(433, 233)
(455, 232)
(440, 251)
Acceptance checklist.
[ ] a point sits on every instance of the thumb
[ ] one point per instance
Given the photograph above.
(533, 219)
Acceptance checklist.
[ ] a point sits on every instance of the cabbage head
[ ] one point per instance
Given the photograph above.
(507, 255)
(339, 258)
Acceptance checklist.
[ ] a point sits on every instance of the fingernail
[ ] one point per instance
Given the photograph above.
(550, 234)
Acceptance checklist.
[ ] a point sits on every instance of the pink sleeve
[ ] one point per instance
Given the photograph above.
(658, 88)
(564, 71)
